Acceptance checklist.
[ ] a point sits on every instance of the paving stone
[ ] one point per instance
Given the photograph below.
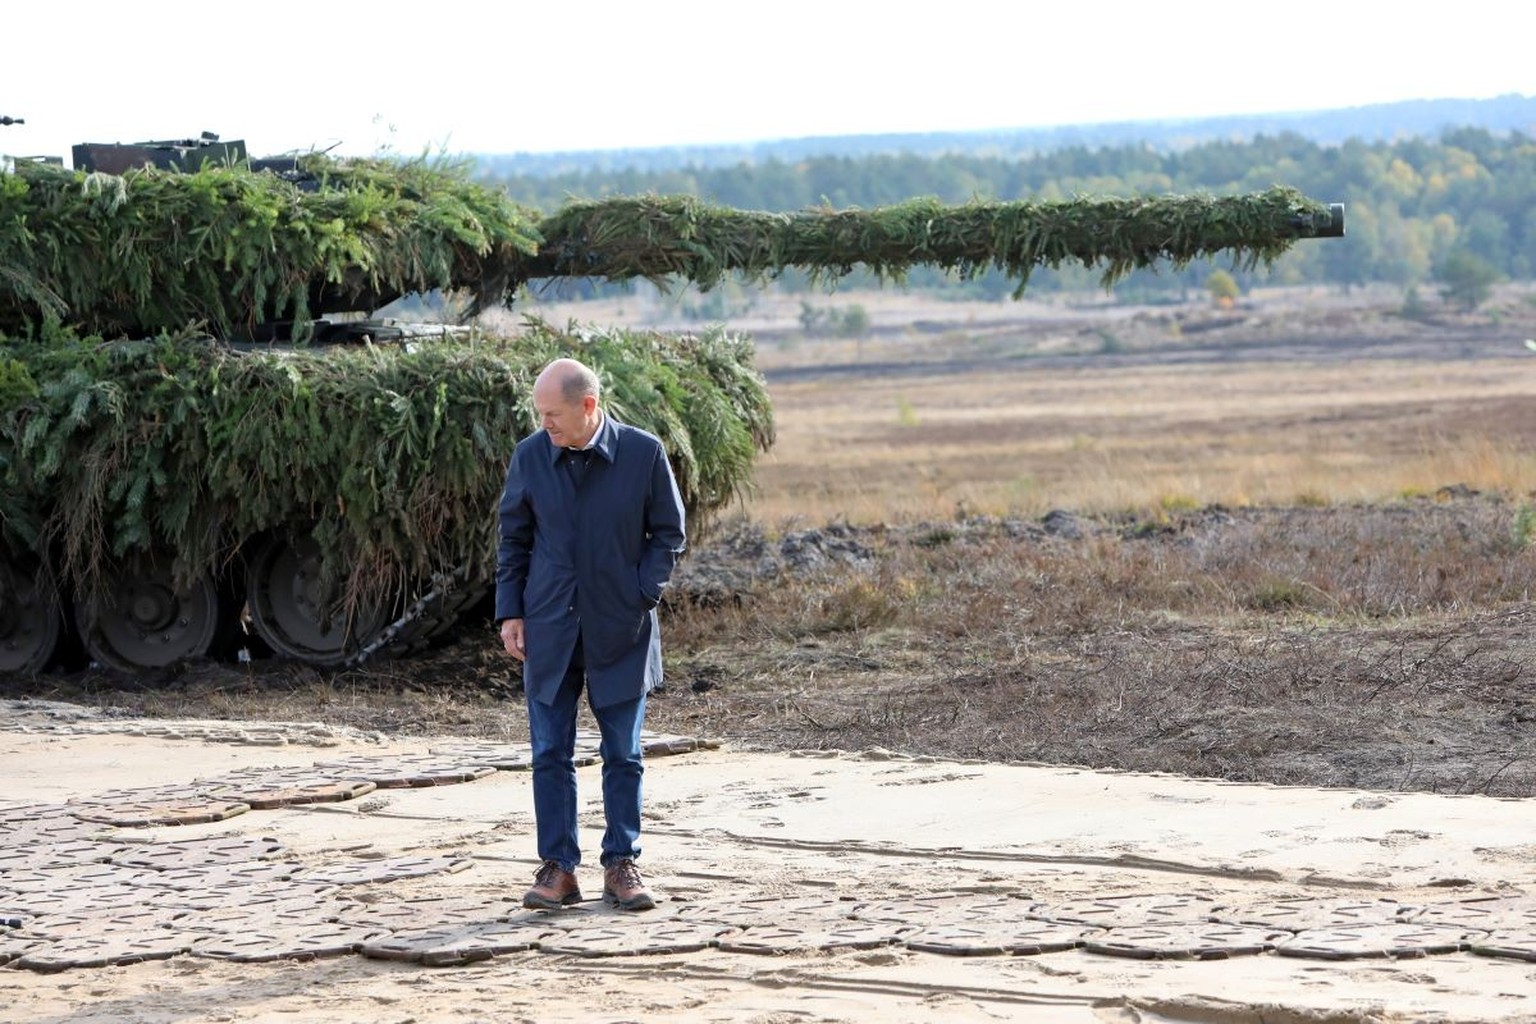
(1383, 940)
(954, 908)
(387, 870)
(14, 945)
(1207, 941)
(506, 757)
(984, 937)
(235, 924)
(251, 906)
(146, 920)
(1302, 914)
(770, 911)
(404, 771)
(425, 912)
(516, 756)
(48, 823)
(44, 855)
(168, 793)
(1517, 943)
(1495, 912)
(287, 943)
(586, 914)
(776, 940)
(663, 746)
(23, 817)
(191, 810)
(630, 937)
(265, 789)
(91, 884)
(64, 900)
(214, 876)
(193, 853)
(460, 943)
(1129, 911)
(104, 951)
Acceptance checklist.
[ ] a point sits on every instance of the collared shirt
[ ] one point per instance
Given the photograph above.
(592, 441)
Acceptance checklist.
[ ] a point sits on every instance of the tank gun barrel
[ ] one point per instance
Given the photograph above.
(1327, 224)
(12, 120)
(658, 237)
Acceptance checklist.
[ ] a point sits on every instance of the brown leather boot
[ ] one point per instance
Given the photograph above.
(624, 888)
(553, 888)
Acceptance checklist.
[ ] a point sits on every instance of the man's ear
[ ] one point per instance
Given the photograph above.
(589, 404)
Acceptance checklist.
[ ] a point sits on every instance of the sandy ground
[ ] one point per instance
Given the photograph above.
(791, 836)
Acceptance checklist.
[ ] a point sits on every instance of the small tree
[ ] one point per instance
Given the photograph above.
(811, 318)
(1223, 288)
(1465, 279)
(853, 322)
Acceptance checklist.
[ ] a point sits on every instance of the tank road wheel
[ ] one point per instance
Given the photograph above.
(292, 612)
(31, 619)
(142, 621)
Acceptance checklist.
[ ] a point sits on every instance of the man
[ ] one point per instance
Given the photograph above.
(591, 526)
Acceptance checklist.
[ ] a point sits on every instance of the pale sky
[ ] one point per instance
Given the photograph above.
(453, 76)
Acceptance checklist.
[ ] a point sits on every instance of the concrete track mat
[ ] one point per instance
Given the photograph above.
(638, 938)
(219, 875)
(954, 908)
(774, 911)
(189, 810)
(105, 951)
(1209, 941)
(1501, 912)
(1394, 941)
(1301, 914)
(425, 912)
(1123, 911)
(197, 853)
(143, 920)
(997, 938)
(1513, 943)
(774, 940)
(287, 943)
(387, 870)
(447, 945)
(265, 790)
(405, 771)
(18, 855)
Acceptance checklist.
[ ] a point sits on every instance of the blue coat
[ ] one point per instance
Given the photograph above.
(592, 560)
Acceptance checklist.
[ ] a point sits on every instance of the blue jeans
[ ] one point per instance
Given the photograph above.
(552, 734)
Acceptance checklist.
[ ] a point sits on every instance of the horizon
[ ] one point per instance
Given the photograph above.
(1021, 129)
(748, 144)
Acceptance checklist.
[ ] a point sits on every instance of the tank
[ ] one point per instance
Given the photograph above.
(211, 447)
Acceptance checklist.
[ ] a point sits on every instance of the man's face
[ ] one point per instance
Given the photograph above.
(567, 423)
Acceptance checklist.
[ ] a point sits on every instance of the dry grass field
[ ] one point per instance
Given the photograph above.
(1286, 408)
(1287, 542)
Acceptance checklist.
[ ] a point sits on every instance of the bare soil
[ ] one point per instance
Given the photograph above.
(1383, 645)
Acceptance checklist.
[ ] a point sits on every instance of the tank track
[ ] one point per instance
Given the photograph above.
(145, 624)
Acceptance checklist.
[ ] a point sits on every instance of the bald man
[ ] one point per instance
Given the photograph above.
(591, 527)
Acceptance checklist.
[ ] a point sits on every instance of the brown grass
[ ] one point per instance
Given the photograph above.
(1011, 438)
(1299, 552)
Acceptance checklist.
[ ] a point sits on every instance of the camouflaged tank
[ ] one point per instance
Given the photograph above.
(208, 445)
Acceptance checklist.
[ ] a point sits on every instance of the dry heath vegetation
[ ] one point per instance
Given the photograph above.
(1292, 551)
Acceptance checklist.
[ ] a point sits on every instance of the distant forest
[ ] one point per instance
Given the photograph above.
(1427, 198)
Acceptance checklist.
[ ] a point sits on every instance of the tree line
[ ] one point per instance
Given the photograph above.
(1418, 208)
